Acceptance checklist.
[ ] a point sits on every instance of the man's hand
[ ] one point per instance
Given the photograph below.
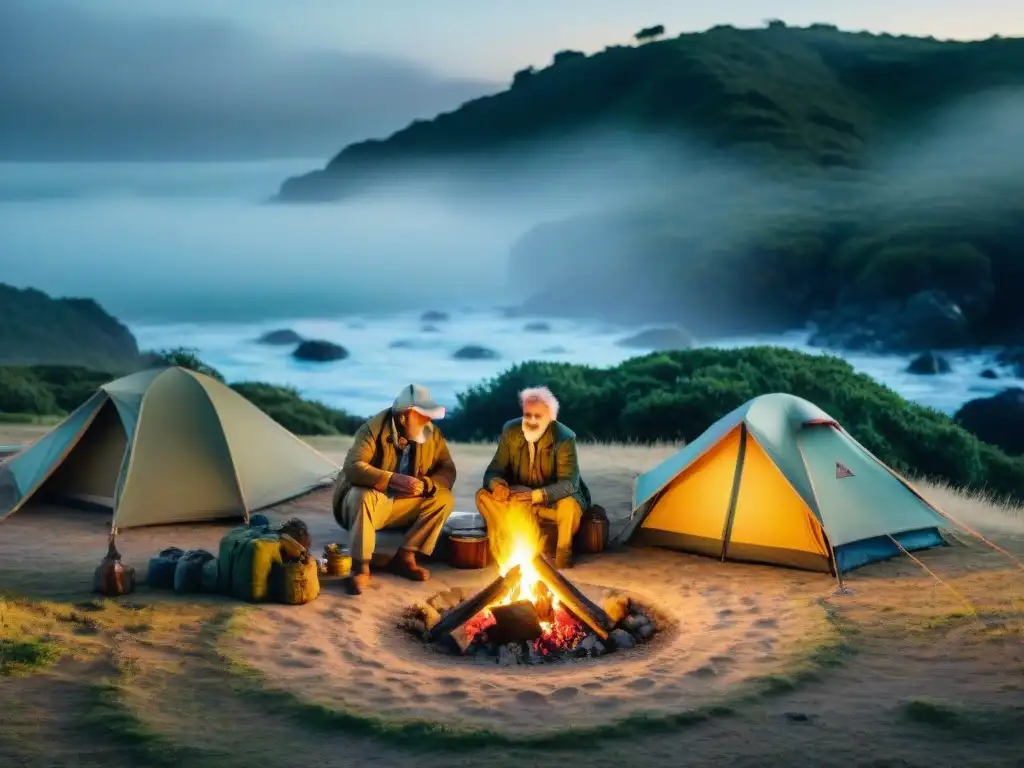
(404, 485)
(500, 491)
(521, 495)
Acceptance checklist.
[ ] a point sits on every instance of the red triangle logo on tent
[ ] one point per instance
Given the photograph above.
(842, 471)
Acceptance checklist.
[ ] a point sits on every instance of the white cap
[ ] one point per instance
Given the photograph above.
(416, 398)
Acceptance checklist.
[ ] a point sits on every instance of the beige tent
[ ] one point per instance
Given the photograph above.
(165, 445)
(779, 481)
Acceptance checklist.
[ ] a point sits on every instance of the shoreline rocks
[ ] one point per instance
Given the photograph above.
(280, 338)
(475, 352)
(662, 339)
(927, 320)
(929, 364)
(319, 351)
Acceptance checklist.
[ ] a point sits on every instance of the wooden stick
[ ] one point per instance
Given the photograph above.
(467, 609)
(514, 623)
(578, 603)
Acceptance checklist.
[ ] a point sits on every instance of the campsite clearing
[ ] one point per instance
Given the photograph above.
(901, 672)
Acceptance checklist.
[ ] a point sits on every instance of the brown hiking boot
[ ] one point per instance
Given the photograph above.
(404, 564)
(359, 579)
(563, 559)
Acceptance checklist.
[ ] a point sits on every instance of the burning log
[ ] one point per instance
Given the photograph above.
(574, 600)
(467, 609)
(514, 623)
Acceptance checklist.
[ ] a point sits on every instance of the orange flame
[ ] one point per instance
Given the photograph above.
(518, 542)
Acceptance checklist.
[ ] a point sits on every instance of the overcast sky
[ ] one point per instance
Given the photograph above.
(302, 77)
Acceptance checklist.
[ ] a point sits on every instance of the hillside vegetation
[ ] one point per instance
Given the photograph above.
(814, 96)
(814, 222)
(37, 328)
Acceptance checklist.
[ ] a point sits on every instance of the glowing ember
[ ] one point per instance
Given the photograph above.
(562, 633)
(479, 623)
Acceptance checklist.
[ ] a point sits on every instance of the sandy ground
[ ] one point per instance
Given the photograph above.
(947, 642)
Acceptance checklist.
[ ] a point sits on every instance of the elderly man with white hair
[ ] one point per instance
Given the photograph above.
(536, 464)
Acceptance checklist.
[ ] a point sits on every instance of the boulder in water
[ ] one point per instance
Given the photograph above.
(537, 327)
(928, 363)
(475, 352)
(430, 328)
(998, 420)
(1012, 358)
(281, 337)
(988, 373)
(319, 351)
(659, 339)
(434, 316)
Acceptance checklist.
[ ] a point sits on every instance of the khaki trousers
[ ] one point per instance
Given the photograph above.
(365, 511)
(566, 514)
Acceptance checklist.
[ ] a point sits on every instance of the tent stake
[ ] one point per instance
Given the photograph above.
(842, 590)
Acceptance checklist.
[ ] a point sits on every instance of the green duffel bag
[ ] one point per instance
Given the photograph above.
(188, 576)
(250, 572)
(231, 545)
(211, 575)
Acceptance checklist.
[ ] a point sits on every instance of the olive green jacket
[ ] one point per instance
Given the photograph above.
(559, 463)
(373, 459)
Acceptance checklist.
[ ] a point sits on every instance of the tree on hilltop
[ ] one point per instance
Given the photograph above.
(648, 34)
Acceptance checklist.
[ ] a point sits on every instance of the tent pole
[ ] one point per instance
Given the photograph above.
(842, 590)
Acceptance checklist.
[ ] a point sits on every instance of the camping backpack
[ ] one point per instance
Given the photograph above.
(112, 577)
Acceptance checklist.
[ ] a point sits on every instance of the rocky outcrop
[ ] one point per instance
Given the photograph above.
(998, 420)
(659, 339)
(282, 337)
(927, 320)
(319, 351)
(36, 328)
(928, 363)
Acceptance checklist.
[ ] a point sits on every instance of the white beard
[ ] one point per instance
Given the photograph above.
(533, 435)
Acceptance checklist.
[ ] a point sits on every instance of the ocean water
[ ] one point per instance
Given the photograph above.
(189, 254)
(369, 378)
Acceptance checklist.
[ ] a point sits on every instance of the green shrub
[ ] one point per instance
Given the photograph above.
(296, 414)
(185, 357)
(677, 395)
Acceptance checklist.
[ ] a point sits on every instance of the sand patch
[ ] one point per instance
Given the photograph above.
(365, 663)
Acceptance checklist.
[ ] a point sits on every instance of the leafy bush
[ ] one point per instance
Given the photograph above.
(673, 395)
(289, 409)
(185, 357)
(47, 390)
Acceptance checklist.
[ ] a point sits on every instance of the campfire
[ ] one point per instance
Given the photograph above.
(531, 612)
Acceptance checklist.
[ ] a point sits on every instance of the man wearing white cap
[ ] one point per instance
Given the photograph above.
(397, 474)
